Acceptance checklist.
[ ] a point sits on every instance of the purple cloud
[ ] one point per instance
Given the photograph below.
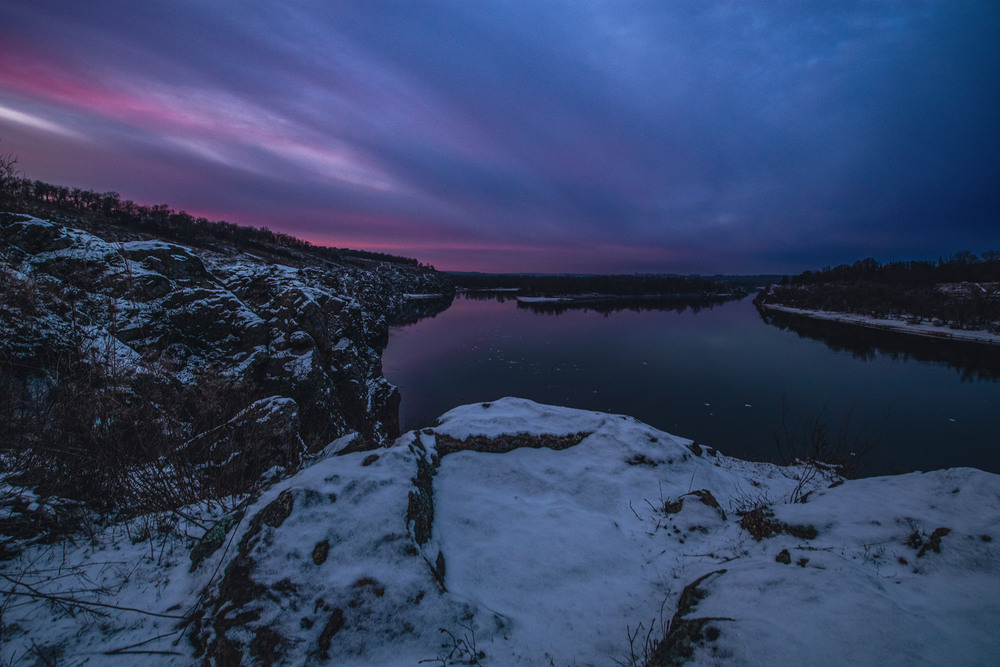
(565, 136)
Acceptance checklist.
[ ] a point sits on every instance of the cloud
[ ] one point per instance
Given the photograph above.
(737, 135)
(37, 123)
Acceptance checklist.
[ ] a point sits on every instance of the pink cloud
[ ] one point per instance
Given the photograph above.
(211, 124)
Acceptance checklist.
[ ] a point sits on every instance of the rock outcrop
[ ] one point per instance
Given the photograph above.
(513, 533)
(215, 331)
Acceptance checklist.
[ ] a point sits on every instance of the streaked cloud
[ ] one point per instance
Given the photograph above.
(37, 123)
(682, 136)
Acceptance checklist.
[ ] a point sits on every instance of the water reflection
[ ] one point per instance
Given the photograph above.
(971, 360)
(717, 374)
(489, 295)
(607, 305)
(417, 309)
(618, 305)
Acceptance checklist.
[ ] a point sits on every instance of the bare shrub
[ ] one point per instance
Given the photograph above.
(815, 447)
(77, 425)
(9, 175)
(461, 650)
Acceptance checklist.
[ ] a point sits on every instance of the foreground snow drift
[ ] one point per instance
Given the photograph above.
(571, 547)
(517, 533)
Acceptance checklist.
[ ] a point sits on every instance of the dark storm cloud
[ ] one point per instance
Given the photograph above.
(604, 136)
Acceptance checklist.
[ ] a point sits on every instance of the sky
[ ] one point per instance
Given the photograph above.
(560, 136)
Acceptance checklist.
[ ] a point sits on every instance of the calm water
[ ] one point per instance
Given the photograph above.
(720, 376)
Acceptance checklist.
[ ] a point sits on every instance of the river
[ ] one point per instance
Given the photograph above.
(720, 375)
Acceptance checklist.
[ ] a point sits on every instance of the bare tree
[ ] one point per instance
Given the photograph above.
(9, 176)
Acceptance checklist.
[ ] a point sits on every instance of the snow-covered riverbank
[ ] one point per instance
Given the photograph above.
(924, 329)
(532, 535)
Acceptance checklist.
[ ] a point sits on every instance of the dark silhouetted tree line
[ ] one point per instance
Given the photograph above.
(963, 266)
(23, 195)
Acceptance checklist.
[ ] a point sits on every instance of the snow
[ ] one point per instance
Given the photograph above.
(517, 415)
(148, 246)
(925, 329)
(551, 541)
(555, 555)
(864, 596)
(108, 349)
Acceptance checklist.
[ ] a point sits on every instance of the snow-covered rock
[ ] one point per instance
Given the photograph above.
(517, 533)
(157, 311)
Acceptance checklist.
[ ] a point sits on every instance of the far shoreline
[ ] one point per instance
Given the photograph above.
(924, 330)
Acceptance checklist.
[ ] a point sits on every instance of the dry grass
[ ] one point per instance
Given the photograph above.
(76, 422)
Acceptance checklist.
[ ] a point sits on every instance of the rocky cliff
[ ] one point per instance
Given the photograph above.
(234, 362)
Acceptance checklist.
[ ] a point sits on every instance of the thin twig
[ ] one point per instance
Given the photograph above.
(35, 593)
(125, 649)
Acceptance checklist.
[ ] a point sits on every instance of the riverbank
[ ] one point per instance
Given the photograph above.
(923, 329)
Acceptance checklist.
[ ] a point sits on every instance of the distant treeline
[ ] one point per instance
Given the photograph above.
(28, 196)
(607, 306)
(963, 266)
(617, 285)
(962, 290)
